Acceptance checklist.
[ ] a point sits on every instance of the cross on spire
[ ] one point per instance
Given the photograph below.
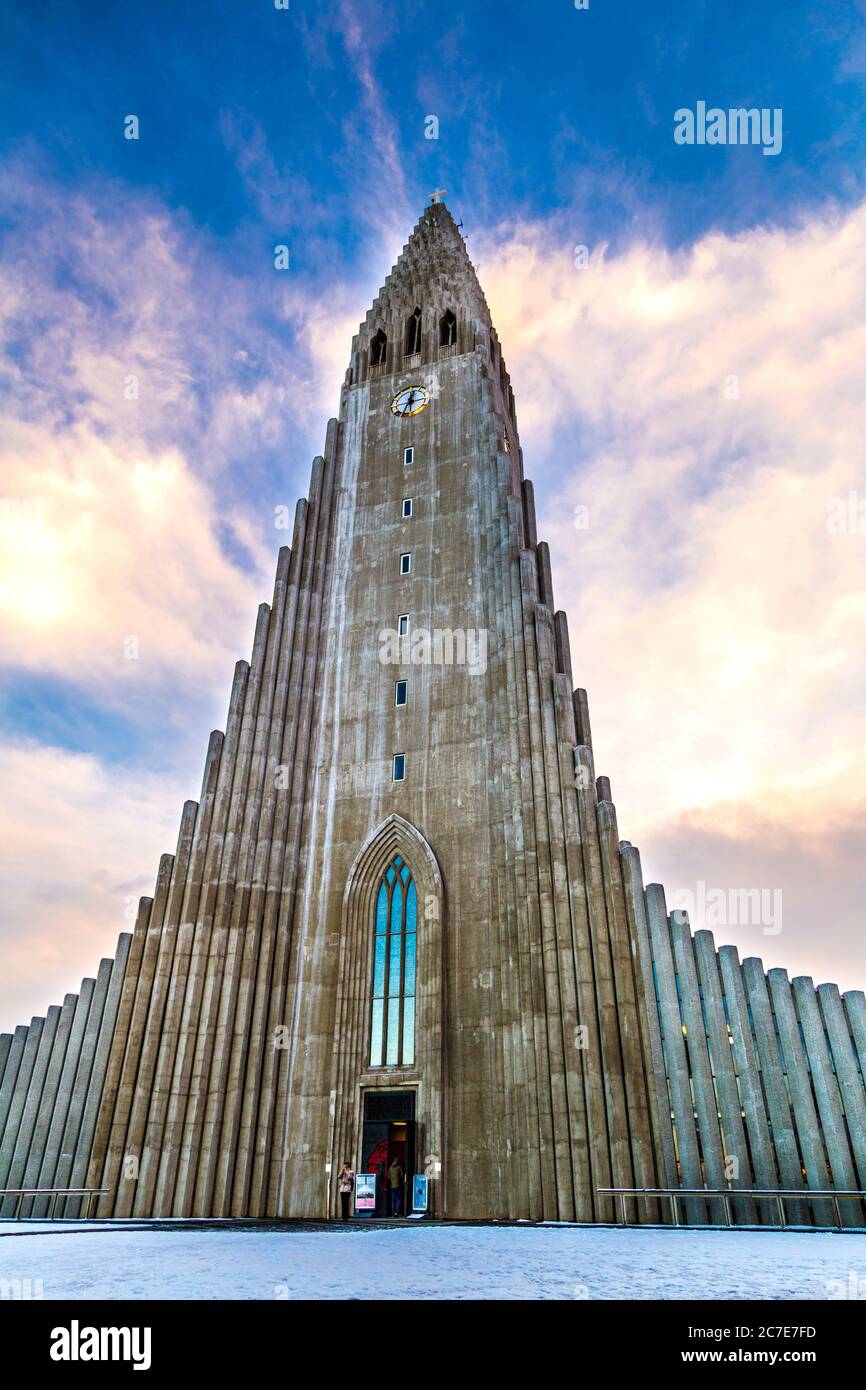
(437, 195)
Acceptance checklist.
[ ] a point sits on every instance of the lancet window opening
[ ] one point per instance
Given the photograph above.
(392, 1031)
(447, 329)
(413, 334)
(378, 349)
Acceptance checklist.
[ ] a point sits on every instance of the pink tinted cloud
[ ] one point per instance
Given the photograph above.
(707, 411)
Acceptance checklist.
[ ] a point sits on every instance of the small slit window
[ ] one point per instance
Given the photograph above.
(408, 456)
(398, 771)
(406, 564)
(401, 693)
(403, 625)
(407, 506)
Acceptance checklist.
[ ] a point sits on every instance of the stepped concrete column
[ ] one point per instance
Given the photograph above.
(733, 1133)
(698, 1057)
(851, 1082)
(745, 1059)
(30, 1109)
(5, 1046)
(788, 1157)
(56, 1117)
(107, 1029)
(654, 1066)
(93, 994)
(104, 1165)
(48, 1101)
(627, 1006)
(831, 1122)
(19, 1097)
(855, 1012)
(797, 1074)
(10, 1074)
(622, 1173)
(673, 1046)
(147, 1023)
(154, 1192)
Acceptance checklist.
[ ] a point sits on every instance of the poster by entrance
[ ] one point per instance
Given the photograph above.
(365, 1193)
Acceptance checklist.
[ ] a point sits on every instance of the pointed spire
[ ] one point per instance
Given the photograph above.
(433, 273)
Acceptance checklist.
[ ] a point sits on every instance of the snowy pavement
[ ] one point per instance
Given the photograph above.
(428, 1262)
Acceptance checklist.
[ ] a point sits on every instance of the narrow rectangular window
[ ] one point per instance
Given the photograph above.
(403, 625)
(399, 772)
(401, 692)
(405, 564)
(407, 506)
(408, 456)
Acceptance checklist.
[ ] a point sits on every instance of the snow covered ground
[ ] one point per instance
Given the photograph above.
(424, 1262)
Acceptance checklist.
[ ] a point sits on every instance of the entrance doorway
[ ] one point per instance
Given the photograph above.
(389, 1133)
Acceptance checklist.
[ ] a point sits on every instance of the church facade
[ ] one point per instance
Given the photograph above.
(400, 920)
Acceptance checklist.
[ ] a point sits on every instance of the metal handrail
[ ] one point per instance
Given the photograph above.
(53, 1193)
(779, 1194)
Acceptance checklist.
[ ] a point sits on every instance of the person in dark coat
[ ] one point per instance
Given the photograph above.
(395, 1186)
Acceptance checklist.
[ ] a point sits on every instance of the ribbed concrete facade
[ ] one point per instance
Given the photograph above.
(559, 1030)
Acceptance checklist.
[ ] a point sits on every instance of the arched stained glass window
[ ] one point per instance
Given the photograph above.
(392, 1035)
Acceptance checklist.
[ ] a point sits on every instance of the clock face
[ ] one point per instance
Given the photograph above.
(410, 401)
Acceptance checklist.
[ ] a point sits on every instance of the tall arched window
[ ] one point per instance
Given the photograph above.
(413, 333)
(447, 329)
(392, 1034)
(378, 346)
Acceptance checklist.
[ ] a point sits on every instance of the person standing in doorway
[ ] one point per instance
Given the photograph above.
(395, 1186)
(345, 1182)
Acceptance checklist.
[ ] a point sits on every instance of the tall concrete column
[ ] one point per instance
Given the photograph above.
(55, 1105)
(93, 998)
(30, 1109)
(10, 1075)
(847, 1073)
(698, 1058)
(733, 1133)
(19, 1097)
(5, 1047)
(676, 1062)
(154, 1192)
(826, 1094)
(49, 1098)
(748, 1073)
(855, 1012)
(82, 1174)
(654, 1066)
(797, 1085)
(778, 1101)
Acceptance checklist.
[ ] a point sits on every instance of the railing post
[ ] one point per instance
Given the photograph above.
(838, 1211)
(674, 1211)
(622, 1208)
(727, 1203)
(781, 1204)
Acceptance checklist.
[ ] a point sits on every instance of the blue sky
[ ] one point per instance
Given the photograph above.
(541, 107)
(155, 257)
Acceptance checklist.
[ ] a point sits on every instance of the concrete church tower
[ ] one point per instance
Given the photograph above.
(400, 920)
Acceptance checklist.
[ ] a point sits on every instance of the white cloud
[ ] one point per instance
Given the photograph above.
(81, 842)
(716, 623)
